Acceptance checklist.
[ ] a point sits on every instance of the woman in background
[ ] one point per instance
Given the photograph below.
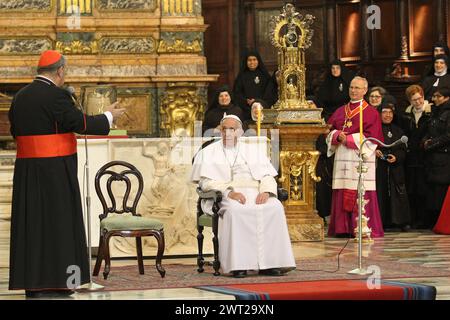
(220, 104)
(439, 79)
(333, 92)
(251, 82)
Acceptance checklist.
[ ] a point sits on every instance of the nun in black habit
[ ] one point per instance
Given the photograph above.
(220, 104)
(251, 82)
(439, 79)
(390, 175)
(439, 47)
(333, 92)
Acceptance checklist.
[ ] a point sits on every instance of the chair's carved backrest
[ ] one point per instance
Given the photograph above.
(118, 176)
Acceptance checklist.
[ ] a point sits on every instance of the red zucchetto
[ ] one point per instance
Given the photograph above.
(48, 58)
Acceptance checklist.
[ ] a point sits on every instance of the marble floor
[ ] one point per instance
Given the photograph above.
(422, 248)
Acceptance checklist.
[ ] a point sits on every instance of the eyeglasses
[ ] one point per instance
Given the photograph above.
(375, 97)
(357, 88)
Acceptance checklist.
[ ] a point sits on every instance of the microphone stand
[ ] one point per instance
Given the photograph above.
(363, 169)
(91, 286)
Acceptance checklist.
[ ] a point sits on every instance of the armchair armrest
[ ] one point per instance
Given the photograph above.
(215, 195)
(282, 194)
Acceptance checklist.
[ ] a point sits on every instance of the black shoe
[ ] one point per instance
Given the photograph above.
(48, 293)
(276, 272)
(239, 273)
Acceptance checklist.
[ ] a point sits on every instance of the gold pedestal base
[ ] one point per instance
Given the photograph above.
(293, 116)
(298, 159)
(306, 229)
(360, 271)
(91, 286)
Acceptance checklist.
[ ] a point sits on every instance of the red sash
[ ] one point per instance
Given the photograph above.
(46, 146)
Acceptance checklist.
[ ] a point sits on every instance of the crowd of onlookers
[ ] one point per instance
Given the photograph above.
(412, 181)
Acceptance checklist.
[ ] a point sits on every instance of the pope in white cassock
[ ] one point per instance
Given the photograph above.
(253, 233)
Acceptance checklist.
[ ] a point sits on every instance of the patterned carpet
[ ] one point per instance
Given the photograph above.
(180, 276)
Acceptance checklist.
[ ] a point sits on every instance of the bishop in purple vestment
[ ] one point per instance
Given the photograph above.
(344, 142)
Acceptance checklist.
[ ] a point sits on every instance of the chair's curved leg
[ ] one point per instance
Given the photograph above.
(139, 255)
(215, 227)
(159, 235)
(100, 255)
(200, 259)
(107, 256)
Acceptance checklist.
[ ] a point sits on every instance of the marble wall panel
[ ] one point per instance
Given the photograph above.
(25, 5)
(10, 46)
(122, 5)
(127, 45)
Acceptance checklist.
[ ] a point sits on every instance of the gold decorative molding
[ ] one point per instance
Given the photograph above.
(180, 46)
(295, 166)
(77, 47)
(176, 7)
(74, 7)
(290, 34)
(180, 107)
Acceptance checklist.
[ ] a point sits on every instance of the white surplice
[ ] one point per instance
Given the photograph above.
(251, 236)
(346, 162)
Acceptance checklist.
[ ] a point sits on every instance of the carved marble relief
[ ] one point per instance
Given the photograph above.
(109, 5)
(11, 72)
(168, 194)
(25, 5)
(24, 46)
(181, 42)
(137, 70)
(112, 71)
(180, 107)
(127, 45)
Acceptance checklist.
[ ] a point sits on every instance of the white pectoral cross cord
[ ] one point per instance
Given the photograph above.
(232, 153)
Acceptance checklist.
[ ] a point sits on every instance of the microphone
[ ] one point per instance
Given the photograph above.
(71, 91)
(403, 139)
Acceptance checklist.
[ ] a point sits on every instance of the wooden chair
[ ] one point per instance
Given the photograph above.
(212, 221)
(130, 225)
